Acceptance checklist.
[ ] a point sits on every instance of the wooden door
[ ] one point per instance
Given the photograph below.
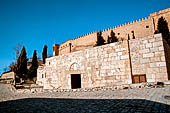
(139, 78)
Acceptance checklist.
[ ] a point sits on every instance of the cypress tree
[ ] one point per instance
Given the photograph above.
(112, 37)
(44, 54)
(34, 60)
(108, 40)
(162, 27)
(100, 40)
(33, 69)
(22, 64)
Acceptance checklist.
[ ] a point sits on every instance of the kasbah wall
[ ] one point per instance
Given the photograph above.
(141, 28)
(146, 57)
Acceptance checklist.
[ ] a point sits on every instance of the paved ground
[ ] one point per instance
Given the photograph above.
(124, 101)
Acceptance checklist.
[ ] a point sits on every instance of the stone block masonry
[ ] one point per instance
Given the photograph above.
(106, 65)
(149, 62)
(98, 66)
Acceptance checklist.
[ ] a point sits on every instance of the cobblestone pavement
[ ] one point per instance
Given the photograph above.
(123, 101)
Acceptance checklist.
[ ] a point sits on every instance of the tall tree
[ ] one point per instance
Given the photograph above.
(33, 69)
(112, 37)
(13, 65)
(162, 27)
(22, 64)
(44, 54)
(100, 40)
(17, 49)
(35, 60)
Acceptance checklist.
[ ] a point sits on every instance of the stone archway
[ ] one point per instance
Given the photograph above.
(74, 67)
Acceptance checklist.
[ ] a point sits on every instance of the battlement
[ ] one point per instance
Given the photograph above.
(126, 24)
(129, 23)
(140, 28)
(83, 36)
(111, 28)
(160, 12)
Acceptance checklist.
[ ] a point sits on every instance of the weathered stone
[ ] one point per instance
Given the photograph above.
(158, 54)
(153, 65)
(148, 45)
(155, 49)
(144, 60)
(162, 58)
(124, 57)
(144, 51)
(147, 55)
(156, 44)
(155, 59)
(119, 53)
(160, 64)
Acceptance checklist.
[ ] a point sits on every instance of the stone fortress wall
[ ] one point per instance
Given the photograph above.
(155, 16)
(107, 65)
(141, 28)
(78, 43)
(143, 59)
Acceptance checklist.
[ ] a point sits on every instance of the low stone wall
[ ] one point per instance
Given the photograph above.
(113, 88)
(7, 78)
(8, 75)
(107, 65)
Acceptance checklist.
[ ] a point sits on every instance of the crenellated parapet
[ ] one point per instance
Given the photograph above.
(83, 41)
(139, 28)
(127, 24)
(84, 35)
(161, 12)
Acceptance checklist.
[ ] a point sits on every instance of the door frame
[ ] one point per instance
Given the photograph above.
(78, 83)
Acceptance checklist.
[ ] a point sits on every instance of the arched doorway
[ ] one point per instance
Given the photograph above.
(75, 76)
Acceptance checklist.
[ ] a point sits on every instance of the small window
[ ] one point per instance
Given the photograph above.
(42, 75)
(49, 63)
(147, 26)
(132, 31)
(118, 33)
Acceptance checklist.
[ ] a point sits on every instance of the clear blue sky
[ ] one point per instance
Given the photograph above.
(35, 23)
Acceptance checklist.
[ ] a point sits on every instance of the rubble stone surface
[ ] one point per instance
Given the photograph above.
(147, 99)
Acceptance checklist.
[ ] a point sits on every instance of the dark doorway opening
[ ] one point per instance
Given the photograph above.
(75, 81)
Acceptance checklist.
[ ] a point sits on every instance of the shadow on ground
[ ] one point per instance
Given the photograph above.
(54, 105)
